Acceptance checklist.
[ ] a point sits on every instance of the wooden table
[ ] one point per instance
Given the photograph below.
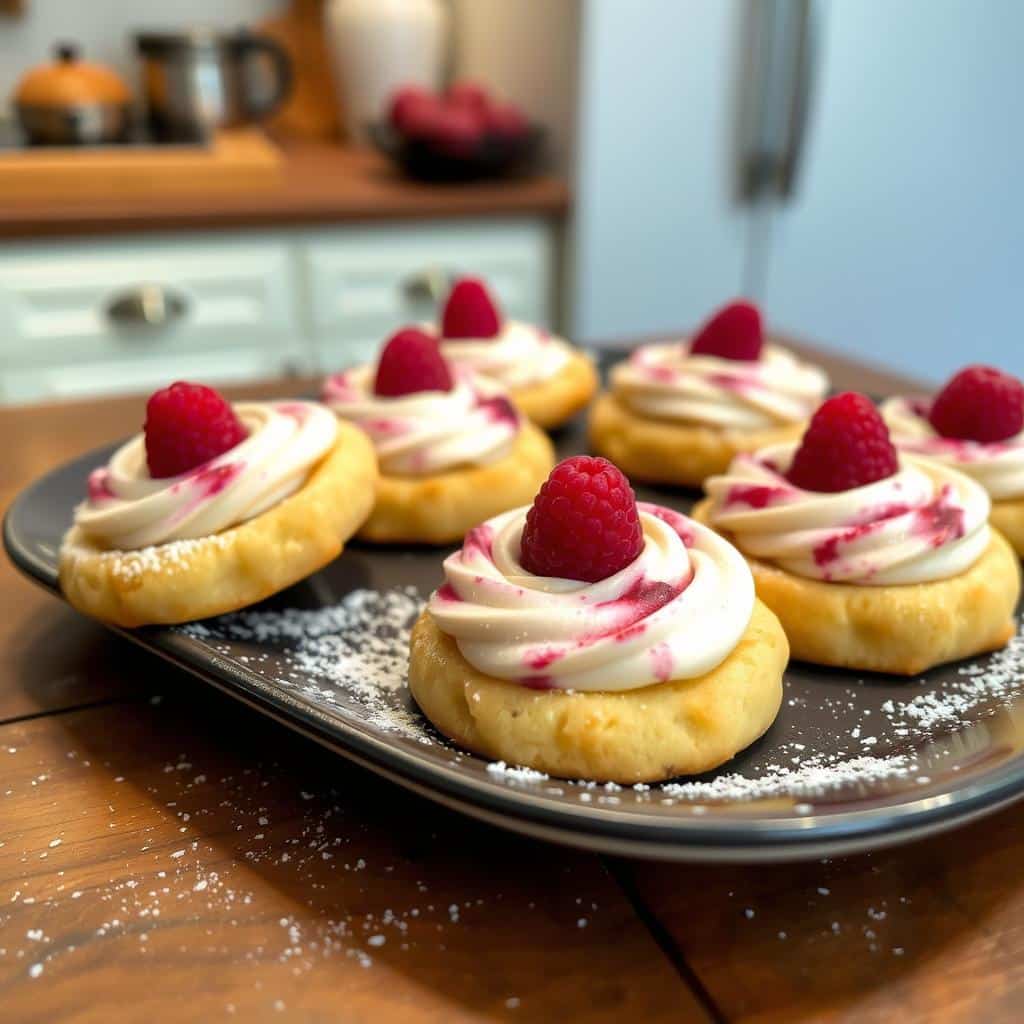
(168, 855)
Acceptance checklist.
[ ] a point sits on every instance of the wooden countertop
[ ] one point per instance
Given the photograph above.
(322, 184)
(168, 855)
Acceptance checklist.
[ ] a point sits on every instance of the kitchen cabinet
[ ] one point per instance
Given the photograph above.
(120, 314)
(114, 315)
(363, 283)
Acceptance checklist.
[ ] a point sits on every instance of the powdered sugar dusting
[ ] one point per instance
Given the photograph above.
(350, 658)
(162, 559)
(352, 653)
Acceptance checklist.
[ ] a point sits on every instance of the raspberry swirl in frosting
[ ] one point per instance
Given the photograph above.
(925, 522)
(427, 431)
(665, 381)
(518, 356)
(675, 612)
(998, 465)
(128, 509)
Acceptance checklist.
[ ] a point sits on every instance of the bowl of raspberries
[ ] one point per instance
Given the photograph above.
(461, 134)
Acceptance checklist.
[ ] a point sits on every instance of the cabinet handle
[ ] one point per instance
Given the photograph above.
(430, 285)
(147, 305)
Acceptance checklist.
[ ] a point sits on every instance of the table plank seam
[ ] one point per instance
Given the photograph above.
(70, 708)
(664, 940)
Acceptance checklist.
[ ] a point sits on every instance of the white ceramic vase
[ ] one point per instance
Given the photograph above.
(377, 46)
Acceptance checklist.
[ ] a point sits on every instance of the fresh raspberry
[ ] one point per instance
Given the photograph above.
(734, 332)
(405, 101)
(420, 118)
(470, 312)
(469, 95)
(187, 425)
(458, 130)
(979, 404)
(583, 524)
(411, 362)
(506, 120)
(845, 445)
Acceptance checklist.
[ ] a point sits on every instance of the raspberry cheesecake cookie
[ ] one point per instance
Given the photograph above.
(591, 637)
(871, 560)
(974, 424)
(452, 448)
(548, 379)
(678, 412)
(214, 507)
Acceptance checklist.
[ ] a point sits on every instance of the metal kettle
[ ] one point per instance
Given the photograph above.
(198, 81)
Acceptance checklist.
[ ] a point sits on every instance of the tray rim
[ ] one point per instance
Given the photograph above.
(596, 827)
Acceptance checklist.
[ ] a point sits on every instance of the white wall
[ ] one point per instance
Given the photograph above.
(103, 29)
(658, 239)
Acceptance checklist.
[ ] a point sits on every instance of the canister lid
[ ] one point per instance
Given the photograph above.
(70, 81)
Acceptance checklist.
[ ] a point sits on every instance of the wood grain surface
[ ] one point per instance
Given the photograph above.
(178, 858)
(321, 184)
(168, 855)
(933, 931)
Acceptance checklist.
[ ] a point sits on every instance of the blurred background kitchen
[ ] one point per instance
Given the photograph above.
(218, 191)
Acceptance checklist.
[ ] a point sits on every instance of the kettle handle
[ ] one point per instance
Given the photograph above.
(247, 47)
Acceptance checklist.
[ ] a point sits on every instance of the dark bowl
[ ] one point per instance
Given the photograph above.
(435, 160)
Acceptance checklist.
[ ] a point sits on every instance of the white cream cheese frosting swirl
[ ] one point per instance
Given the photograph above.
(677, 611)
(664, 381)
(519, 356)
(998, 465)
(925, 522)
(128, 509)
(427, 431)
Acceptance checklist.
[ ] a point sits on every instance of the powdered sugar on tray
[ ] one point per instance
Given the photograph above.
(351, 658)
(352, 652)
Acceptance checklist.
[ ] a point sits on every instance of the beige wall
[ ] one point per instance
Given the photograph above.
(526, 50)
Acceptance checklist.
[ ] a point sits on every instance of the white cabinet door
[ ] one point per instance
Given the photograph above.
(366, 283)
(132, 309)
(905, 241)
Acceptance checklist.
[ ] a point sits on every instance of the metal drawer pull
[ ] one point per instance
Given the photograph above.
(431, 285)
(148, 305)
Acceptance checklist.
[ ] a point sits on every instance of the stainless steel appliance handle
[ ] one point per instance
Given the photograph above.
(780, 68)
(805, 69)
(148, 306)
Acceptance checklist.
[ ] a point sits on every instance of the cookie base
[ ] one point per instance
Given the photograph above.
(662, 452)
(194, 579)
(1007, 517)
(902, 629)
(551, 403)
(442, 508)
(682, 727)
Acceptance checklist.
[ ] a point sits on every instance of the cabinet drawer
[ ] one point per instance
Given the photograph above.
(366, 283)
(145, 299)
